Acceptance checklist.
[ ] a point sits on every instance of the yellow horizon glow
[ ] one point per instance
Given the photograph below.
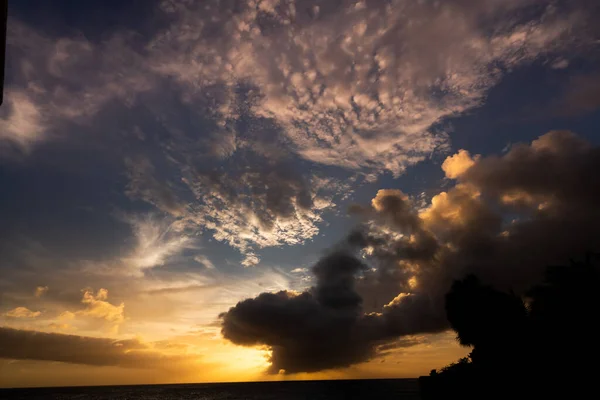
(216, 360)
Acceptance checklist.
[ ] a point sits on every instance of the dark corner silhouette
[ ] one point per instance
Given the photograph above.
(544, 343)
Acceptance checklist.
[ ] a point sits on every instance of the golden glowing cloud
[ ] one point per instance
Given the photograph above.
(452, 207)
(456, 165)
(98, 307)
(22, 312)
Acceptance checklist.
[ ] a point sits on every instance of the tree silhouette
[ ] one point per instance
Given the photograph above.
(563, 310)
(493, 322)
(540, 350)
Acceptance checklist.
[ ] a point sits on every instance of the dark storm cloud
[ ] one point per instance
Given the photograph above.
(323, 327)
(558, 167)
(309, 331)
(32, 345)
(550, 189)
(390, 212)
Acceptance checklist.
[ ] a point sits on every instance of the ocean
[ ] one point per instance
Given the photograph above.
(380, 389)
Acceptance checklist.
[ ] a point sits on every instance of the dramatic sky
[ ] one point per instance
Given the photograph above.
(282, 189)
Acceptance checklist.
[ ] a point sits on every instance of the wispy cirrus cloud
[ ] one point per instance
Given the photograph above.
(155, 240)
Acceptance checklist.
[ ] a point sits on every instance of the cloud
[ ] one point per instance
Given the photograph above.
(95, 313)
(250, 259)
(40, 291)
(308, 331)
(22, 312)
(299, 270)
(156, 241)
(556, 170)
(456, 165)
(560, 63)
(144, 185)
(183, 289)
(581, 96)
(63, 321)
(359, 84)
(262, 206)
(66, 316)
(55, 81)
(203, 260)
(97, 306)
(321, 328)
(388, 278)
(20, 121)
(130, 353)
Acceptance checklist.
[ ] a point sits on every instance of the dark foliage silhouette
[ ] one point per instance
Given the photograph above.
(540, 345)
(564, 312)
(491, 321)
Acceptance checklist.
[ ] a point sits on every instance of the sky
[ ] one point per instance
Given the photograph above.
(208, 191)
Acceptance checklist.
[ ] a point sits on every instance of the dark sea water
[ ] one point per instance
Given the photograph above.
(398, 389)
